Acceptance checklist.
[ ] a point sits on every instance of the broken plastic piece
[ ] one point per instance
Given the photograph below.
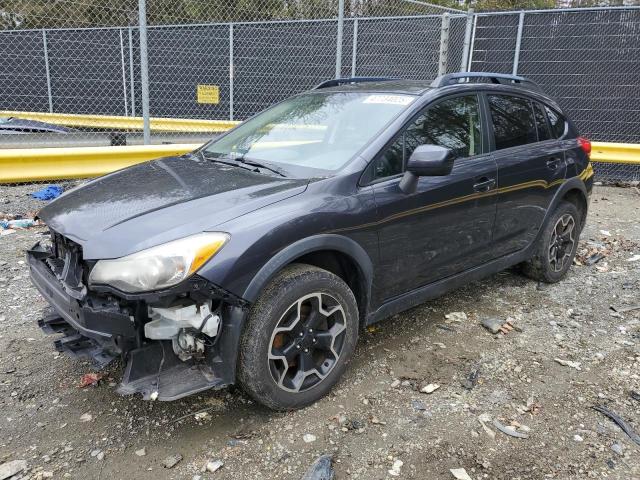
(321, 469)
(626, 428)
(511, 431)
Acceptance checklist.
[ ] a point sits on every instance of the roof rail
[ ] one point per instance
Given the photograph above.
(499, 78)
(336, 82)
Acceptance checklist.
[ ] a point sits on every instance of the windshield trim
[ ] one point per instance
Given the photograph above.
(202, 149)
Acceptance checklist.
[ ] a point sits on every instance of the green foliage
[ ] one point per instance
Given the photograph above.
(21, 14)
(494, 5)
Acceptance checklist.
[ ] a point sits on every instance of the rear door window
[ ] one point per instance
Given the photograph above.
(544, 132)
(557, 122)
(513, 121)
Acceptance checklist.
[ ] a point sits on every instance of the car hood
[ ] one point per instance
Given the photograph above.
(159, 201)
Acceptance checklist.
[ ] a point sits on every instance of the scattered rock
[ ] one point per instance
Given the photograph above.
(322, 469)
(353, 424)
(86, 417)
(617, 448)
(172, 460)
(456, 317)
(308, 438)
(214, 465)
(484, 419)
(376, 421)
(460, 474)
(472, 379)
(201, 415)
(395, 468)
(568, 363)
(578, 438)
(418, 405)
(432, 387)
(12, 468)
(492, 324)
(141, 452)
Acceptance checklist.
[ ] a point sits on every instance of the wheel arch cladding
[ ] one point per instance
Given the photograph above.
(337, 254)
(579, 199)
(573, 190)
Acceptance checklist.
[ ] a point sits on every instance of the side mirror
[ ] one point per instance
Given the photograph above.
(426, 160)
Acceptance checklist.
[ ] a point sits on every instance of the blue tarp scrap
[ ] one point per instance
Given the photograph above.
(48, 193)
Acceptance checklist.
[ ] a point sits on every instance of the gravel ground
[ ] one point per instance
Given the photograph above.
(570, 351)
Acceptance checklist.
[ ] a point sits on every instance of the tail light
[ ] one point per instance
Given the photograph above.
(585, 144)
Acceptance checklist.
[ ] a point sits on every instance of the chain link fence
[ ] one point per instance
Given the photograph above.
(105, 72)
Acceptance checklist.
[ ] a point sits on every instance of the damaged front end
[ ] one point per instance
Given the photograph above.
(175, 342)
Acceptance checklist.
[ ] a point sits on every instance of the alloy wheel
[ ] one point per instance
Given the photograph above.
(307, 342)
(562, 242)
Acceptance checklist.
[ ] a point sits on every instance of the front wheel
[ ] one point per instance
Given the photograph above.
(556, 246)
(299, 338)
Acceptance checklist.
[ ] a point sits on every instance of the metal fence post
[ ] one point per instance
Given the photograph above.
(354, 52)
(339, 38)
(124, 76)
(466, 47)
(231, 71)
(516, 55)
(444, 45)
(46, 68)
(144, 71)
(132, 83)
(473, 42)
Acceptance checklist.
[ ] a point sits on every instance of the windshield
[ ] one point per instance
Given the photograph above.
(319, 130)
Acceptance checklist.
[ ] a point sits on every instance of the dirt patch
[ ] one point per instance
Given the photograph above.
(377, 415)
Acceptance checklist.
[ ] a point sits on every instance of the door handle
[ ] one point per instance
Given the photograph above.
(484, 184)
(553, 163)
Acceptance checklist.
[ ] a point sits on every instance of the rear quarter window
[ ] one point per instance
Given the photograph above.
(544, 132)
(557, 122)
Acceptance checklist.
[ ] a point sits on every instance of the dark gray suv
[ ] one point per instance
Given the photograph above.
(258, 257)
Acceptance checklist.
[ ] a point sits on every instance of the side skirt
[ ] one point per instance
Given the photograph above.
(439, 288)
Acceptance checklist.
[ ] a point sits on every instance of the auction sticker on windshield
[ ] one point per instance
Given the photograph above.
(389, 99)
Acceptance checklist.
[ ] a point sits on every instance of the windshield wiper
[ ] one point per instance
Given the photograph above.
(223, 162)
(240, 161)
(254, 163)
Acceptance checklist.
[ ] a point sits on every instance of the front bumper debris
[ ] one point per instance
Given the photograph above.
(74, 343)
(101, 327)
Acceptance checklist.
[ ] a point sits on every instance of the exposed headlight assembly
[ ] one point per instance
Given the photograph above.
(158, 267)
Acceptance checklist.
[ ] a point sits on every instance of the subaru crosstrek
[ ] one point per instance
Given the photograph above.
(258, 257)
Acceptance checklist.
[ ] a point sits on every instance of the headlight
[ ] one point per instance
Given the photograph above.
(158, 267)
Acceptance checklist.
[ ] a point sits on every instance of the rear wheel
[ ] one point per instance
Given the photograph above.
(557, 245)
(299, 338)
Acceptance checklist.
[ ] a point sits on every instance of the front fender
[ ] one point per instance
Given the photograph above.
(307, 245)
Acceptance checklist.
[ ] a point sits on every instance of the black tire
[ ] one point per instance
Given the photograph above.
(269, 378)
(541, 267)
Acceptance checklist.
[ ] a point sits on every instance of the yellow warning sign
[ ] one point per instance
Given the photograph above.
(208, 94)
